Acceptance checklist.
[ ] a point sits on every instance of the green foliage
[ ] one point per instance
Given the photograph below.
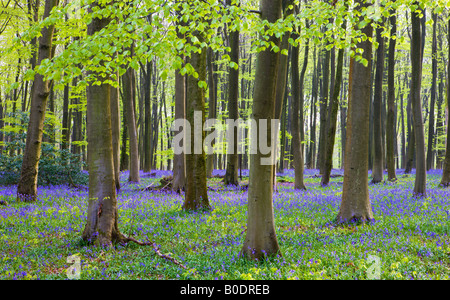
(56, 166)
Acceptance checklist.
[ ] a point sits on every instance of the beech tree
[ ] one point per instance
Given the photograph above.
(102, 214)
(196, 196)
(27, 187)
(261, 240)
(416, 102)
(446, 165)
(355, 204)
(391, 115)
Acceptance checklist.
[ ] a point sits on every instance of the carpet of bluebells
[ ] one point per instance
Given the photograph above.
(409, 235)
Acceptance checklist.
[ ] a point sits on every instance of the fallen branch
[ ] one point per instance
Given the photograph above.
(156, 249)
(2, 202)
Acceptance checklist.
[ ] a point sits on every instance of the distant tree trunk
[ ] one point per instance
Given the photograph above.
(129, 90)
(124, 157)
(231, 174)
(27, 187)
(115, 132)
(391, 115)
(196, 196)
(147, 118)
(355, 205)
(297, 93)
(212, 107)
(179, 170)
(416, 81)
(440, 123)
(378, 164)
(323, 110)
(260, 240)
(102, 214)
(403, 137)
(282, 80)
(66, 121)
(431, 135)
(2, 124)
(446, 165)
(332, 118)
(77, 135)
(314, 94)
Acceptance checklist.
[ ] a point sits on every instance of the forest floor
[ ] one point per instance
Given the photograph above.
(410, 236)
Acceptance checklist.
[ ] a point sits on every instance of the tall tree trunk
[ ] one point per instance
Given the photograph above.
(297, 93)
(27, 187)
(314, 94)
(147, 117)
(323, 110)
(179, 170)
(416, 81)
(391, 114)
(231, 174)
(212, 107)
(378, 164)
(2, 124)
(261, 240)
(196, 196)
(440, 122)
(446, 165)
(115, 132)
(124, 157)
(355, 205)
(101, 225)
(332, 118)
(129, 91)
(431, 135)
(283, 70)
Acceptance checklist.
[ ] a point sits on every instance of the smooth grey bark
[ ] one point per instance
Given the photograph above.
(378, 163)
(391, 114)
(231, 173)
(431, 133)
(416, 103)
(129, 93)
(27, 187)
(355, 204)
(261, 240)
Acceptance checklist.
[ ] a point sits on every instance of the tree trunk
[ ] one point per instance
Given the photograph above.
(355, 205)
(2, 124)
(147, 118)
(261, 240)
(179, 170)
(378, 164)
(323, 110)
(129, 90)
(231, 175)
(296, 87)
(101, 226)
(431, 135)
(281, 86)
(196, 196)
(446, 165)
(115, 131)
(27, 187)
(416, 81)
(332, 119)
(212, 108)
(391, 115)
(124, 157)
